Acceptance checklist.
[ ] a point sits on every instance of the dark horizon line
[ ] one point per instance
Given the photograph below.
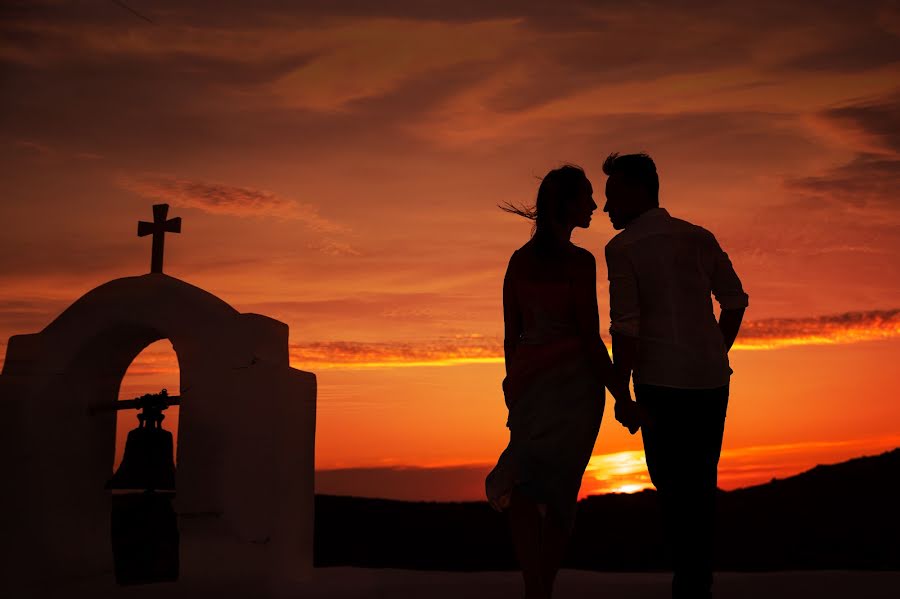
(619, 494)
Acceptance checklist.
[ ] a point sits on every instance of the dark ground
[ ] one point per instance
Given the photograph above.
(843, 516)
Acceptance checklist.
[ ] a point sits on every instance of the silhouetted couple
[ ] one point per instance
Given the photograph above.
(662, 274)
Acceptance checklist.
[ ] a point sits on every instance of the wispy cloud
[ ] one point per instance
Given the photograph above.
(220, 198)
(442, 352)
(771, 333)
(864, 182)
(35, 146)
(849, 327)
(333, 247)
(27, 315)
(766, 334)
(865, 186)
(875, 120)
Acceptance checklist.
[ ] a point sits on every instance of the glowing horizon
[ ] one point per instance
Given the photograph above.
(607, 472)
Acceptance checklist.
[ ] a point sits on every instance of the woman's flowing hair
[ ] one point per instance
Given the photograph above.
(557, 189)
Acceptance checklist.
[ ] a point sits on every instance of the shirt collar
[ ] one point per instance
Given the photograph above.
(652, 213)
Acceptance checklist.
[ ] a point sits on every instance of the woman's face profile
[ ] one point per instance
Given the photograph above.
(582, 206)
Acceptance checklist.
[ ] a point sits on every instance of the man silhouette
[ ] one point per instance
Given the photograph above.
(662, 273)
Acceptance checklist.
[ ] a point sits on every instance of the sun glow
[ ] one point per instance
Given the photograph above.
(626, 471)
(628, 488)
(622, 472)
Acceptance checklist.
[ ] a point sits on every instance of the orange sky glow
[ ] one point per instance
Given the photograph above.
(338, 167)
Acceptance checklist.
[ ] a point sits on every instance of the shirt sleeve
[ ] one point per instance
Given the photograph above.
(624, 303)
(726, 286)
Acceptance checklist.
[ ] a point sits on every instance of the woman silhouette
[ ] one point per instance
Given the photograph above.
(556, 370)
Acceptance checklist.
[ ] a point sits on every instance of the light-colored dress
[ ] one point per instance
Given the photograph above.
(555, 401)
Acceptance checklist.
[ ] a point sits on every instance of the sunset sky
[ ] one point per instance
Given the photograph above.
(338, 166)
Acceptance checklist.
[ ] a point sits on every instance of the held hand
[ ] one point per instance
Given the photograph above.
(500, 503)
(629, 415)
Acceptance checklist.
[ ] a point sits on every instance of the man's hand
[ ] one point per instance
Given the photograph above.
(629, 414)
(730, 324)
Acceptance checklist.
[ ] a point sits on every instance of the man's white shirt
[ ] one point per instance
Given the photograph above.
(662, 274)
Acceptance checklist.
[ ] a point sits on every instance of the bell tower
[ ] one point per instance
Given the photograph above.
(243, 508)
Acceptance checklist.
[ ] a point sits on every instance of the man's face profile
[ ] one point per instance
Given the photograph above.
(625, 199)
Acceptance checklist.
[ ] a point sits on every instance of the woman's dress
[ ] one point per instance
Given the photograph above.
(554, 399)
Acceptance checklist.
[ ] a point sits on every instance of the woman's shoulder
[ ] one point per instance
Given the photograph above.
(583, 257)
(582, 253)
(517, 260)
(524, 252)
(574, 252)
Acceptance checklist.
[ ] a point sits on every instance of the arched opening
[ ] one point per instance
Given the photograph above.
(154, 369)
(144, 526)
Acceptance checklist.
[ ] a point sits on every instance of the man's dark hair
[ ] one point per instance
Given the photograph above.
(634, 167)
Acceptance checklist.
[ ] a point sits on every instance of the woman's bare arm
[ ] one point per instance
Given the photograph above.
(512, 315)
(588, 318)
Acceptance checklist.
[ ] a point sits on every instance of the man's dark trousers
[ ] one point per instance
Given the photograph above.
(682, 442)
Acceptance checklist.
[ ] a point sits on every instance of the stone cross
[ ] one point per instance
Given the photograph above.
(158, 228)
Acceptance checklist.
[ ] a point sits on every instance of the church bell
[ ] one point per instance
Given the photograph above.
(148, 462)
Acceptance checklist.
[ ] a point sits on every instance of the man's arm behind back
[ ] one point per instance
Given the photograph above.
(728, 291)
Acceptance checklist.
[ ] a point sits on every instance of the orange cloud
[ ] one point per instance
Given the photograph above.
(771, 333)
(218, 198)
(849, 327)
(456, 350)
